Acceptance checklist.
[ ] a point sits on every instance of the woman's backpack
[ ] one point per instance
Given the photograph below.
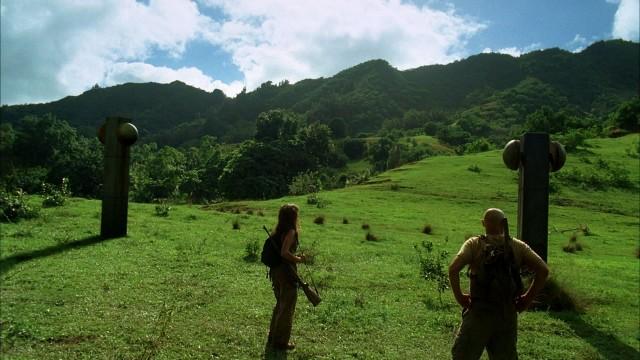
(270, 255)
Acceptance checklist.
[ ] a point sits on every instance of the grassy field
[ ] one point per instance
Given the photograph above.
(179, 286)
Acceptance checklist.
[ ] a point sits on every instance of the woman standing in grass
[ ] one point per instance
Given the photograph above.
(285, 287)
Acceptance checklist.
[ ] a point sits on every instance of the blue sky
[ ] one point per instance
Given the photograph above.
(51, 49)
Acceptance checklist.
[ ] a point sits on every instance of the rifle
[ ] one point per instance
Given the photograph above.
(515, 271)
(311, 294)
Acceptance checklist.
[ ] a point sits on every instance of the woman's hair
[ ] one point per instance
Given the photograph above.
(287, 220)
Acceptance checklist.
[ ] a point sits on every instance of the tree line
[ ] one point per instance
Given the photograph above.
(286, 154)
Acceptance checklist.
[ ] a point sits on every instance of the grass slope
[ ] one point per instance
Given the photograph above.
(178, 287)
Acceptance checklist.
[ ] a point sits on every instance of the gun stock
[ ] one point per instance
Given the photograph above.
(311, 295)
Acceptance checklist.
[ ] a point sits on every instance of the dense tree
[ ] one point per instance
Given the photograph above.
(627, 116)
(354, 148)
(277, 125)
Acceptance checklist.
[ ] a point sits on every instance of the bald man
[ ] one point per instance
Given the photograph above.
(490, 309)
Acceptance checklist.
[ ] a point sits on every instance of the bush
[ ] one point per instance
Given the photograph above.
(474, 168)
(634, 150)
(310, 253)
(305, 183)
(345, 220)
(314, 199)
(427, 229)
(433, 266)
(553, 297)
(55, 197)
(162, 209)
(354, 148)
(600, 176)
(365, 226)
(370, 237)
(319, 220)
(13, 206)
(251, 248)
(235, 224)
(477, 146)
(573, 245)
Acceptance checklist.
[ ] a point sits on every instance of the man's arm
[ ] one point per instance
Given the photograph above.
(541, 271)
(454, 279)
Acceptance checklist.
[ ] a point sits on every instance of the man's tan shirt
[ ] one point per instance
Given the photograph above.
(472, 249)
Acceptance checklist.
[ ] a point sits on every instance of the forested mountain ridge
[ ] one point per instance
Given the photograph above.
(486, 95)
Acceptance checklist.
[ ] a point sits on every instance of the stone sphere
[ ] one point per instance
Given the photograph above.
(511, 154)
(101, 134)
(127, 134)
(557, 156)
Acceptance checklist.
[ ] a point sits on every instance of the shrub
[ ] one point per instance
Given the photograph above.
(305, 183)
(251, 248)
(260, 213)
(365, 226)
(13, 206)
(553, 297)
(354, 148)
(310, 253)
(163, 209)
(600, 176)
(433, 266)
(235, 224)
(319, 220)
(474, 168)
(370, 237)
(55, 197)
(477, 146)
(314, 199)
(395, 187)
(345, 220)
(573, 245)
(249, 212)
(634, 150)
(427, 229)
(584, 228)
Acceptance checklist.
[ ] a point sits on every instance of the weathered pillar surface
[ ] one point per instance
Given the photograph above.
(533, 192)
(117, 134)
(534, 156)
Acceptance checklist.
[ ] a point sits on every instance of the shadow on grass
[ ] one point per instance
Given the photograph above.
(606, 344)
(9, 262)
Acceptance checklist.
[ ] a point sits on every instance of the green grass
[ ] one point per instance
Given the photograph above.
(178, 286)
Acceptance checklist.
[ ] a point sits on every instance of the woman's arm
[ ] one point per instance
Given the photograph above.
(286, 253)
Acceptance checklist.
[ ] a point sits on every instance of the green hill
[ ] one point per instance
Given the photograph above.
(593, 81)
(178, 286)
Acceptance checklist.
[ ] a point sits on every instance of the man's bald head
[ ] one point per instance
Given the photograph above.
(492, 221)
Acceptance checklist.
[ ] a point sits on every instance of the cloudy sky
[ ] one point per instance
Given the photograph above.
(54, 48)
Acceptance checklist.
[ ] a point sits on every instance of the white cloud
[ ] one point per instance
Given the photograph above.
(513, 51)
(626, 21)
(578, 43)
(123, 72)
(53, 49)
(278, 39)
